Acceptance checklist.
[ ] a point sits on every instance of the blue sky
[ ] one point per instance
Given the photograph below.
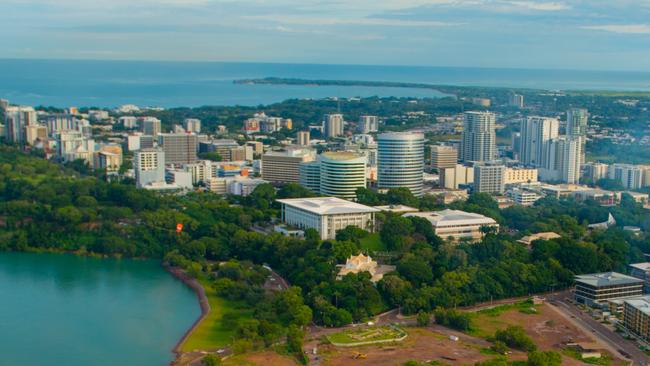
(580, 34)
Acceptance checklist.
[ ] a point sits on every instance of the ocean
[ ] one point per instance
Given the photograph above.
(64, 83)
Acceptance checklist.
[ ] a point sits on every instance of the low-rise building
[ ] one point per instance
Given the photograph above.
(596, 288)
(642, 272)
(327, 214)
(457, 225)
(529, 239)
(636, 316)
(362, 263)
(398, 209)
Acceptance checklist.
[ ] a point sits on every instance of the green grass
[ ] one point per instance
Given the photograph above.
(372, 243)
(602, 361)
(365, 335)
(211, 333)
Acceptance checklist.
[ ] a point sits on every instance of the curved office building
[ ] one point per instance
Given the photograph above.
(400, 161)
(341, 173)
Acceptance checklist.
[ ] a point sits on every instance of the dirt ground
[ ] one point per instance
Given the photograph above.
(265, 358)
(548, 329)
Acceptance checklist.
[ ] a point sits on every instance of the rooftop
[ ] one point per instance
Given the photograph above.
(607, 279)
(327, 205)
(397, 208)
(544, 236)
(342, 155)
(641, 303)
(449, 217)
(643, 266)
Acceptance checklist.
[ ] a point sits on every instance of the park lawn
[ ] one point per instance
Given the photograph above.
(372, 243)
(211, 334)
(486, 322)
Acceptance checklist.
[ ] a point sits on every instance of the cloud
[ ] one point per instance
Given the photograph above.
(331, 20)
(621, 28)
(541, 6)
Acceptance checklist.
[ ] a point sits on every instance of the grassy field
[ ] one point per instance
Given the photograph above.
(365, 335)
(372, 243)
(212, 333)
(485, 322)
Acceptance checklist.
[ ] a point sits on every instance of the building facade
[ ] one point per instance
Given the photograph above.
(536, 132)
(400, 161)
(595, 289)
(478, 141)
(368, 124)
(443, 157)
(149, 167)
(284, 166)
(457, 225)
(489, 178)
(342, 173)
(180, 148)
(333, 125)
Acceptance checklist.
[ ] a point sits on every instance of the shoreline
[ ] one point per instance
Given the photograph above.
(198, 289)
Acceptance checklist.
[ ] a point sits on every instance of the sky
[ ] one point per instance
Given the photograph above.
(571, 34)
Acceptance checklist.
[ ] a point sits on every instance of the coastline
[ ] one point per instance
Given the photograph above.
(193, 284)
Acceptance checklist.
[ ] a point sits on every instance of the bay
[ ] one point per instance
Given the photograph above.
(59, 309)
(63, 83)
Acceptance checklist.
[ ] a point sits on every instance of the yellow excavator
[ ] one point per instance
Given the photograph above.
(359, 356)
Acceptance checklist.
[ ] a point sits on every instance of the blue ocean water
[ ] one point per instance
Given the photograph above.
(64, 83)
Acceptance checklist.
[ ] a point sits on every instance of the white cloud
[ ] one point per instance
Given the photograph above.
(541, 6)
(331, 20)
(621, 28)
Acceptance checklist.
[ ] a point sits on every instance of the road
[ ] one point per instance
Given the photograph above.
(613, 340)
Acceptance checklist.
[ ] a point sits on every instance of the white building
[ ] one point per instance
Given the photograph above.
(327, 215)
(489, 178)
(596, 288)
(129, 122)
(562, 163)
(453, 178)
(576, 128)
(478, 141)
(16, 119)
(150, 125)
(303, 138)
(149, 167)
(368, 124)
(192, 125)
(536, 132)
(333, 125)
(457, 225)
(630, 176)
(443, 156)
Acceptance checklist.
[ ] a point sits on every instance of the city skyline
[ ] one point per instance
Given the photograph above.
(517, 34)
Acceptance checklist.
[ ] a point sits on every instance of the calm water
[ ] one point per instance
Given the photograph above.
(68, 310)
(111, 83)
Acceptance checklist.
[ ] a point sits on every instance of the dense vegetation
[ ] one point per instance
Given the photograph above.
(48, 207)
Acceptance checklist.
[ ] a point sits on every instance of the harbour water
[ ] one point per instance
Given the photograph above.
(59, 309)
(63, 83)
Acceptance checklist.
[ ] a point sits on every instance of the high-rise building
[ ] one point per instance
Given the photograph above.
(443, 156)
(342, 173)
(630, 176)
(562, 163)
(179, 148)
(595, 171)
(516, 100)
(456, 176)
(333, 125)
(60, 122)
(400, 161)
(368, 124)
(34, 133)
(515, 145)
(309, 173)
(149, 166)
(489, 178)
(576, 127)
(223, 147)
(303, 138)
(283, 166)
(478, 141)
(192, 125)
(16, 118)
(536, 132)
(150, 126)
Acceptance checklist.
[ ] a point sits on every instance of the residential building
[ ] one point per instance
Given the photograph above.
(536, 132)
(630, 176)
(595, 289)
(636, 316)
(400, 161)
(180, 148)
(303, 138)
(251, 126)
(309, 175)
(149, 167)
(150, 126)
(342, 173)
(489, 178)
(60, 122)
(523, 197)
(562, 164)
(34, 133)
(642, 272)
(129, 122)
(109, 158)
(180, 178)
(284, 166)
(478, 141)
(576, 128)
(520, 175)
(16, 119)
(368, 124)
(223, 147)
(333, 125)
(453, 178)
(443, 156)
(258, 147)
(192, 125)
(457, 225)
(516, 100)
(327, 215)
(595, 171)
